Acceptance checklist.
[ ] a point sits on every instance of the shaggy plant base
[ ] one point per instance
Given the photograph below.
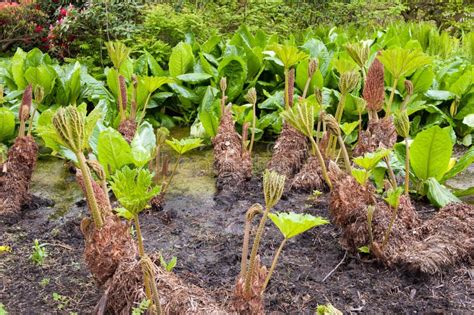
(128, 128)
(289, 152)
(252, 303)
(15, 175)
(379, 134)
(107, 247)
(309, 177)
(232, 164)
(126, 290)
(439, 242)
(445, 239)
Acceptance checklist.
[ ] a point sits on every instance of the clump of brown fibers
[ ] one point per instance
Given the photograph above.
(15, 175)
(231, 160)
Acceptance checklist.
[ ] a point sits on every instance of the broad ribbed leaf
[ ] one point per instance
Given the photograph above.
(430, 153)
(7, 123)
(234, 69)
(113, 151)
(438, 194)
(401, 62)
(181, 59)
(292, 224)
(143, 144)
(184, 145)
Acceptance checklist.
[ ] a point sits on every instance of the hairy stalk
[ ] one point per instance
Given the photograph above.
(168, 181)
(317, 153)
(407, 166)
(274, 263)
(254, 124)
(287, 97)
(21, 130)
(253, 254)
(370, 216)
(142, 115)
(306, 87)
(119, 99)
(148, 272)
(133, 107)
(389, 229)
(251, 212)
(393, 180)
(345, 155)
(141, 252)
(388, 108)
(338, 115)
(91, 201)
(30, 122)
(245, 133)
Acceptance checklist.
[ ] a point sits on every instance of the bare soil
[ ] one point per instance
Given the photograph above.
(205, 233)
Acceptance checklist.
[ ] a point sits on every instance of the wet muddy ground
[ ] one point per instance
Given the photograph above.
(205, 232)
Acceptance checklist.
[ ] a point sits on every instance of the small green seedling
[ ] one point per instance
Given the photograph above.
(327, 309)
(44, 282)
(3, 310)
(290, 225)
(61, 300)
(168, 266)
(141, 308)
(393, 200)
(39, 253)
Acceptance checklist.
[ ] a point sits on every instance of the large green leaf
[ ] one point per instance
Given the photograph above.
(17, 69)
(234, 69)
(208, 112)
(438, 194)
(302, 77)
(194, 78)
(143, 144)
(430, 153)
(7, 123)
(43, 76)
(292, 224)
(113, 151)
(464, 162)
(401, 62)
(181, 59)
(369, 160)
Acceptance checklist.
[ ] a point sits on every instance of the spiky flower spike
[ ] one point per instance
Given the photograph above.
(24, 112)
(69, 125)
(123, 97)
(291, 86)
(118, 53)
(333, 127)
(273, 185)
(374, 88)
(348, 81)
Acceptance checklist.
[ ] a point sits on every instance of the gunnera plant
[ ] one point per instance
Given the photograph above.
(254, 278)
(290, 149)
(314, 172)
(16, 171)
(107, 239)
(231, 159)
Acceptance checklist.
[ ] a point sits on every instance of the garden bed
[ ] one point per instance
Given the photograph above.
(205, 232)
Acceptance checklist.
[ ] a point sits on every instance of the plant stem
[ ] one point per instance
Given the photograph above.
(142, 116)
(119, 96)
(388, 109)
(254, 123)
(390, 172)
(318, 154)
(407, 166)
(30, 123)
(274, 263)
(287, 101)
(390, 226)
(318, 128)
(91, 200)
(338, 115)
(141, 252)
(167, 183)
(253, 254)
(21, 130)
(306, 87)
(345, 155)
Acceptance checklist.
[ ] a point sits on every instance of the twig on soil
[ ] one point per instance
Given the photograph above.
(335, 268)
(59, 245)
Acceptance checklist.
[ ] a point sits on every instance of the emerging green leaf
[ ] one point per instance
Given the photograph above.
(184, 145)
(288, 55)
(370, 160)
(134, 188)
(401, 62)
(438, 194)
(292, 224)
(393, 197)
(360, 175)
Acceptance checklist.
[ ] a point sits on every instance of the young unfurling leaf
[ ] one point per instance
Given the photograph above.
(184, 145)
(292, 224)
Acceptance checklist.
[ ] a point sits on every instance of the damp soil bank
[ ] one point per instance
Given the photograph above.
(204, 231)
